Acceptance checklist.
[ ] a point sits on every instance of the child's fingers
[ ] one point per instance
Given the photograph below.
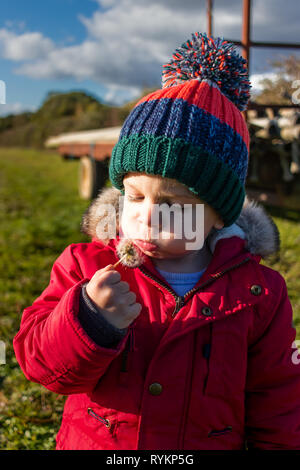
(134, 310)
(107, 276)
(123, 287)
(128, 298)
(114, 297)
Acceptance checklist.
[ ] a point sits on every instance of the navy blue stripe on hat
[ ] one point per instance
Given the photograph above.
(178, 119)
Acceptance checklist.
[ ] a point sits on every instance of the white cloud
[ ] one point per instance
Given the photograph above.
(275, 20)
(107, 3)
(119, 95)
(127, 41)
(126, 45)
(27, 46)
(68, 62)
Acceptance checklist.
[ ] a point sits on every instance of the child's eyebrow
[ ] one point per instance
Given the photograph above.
(165, 193)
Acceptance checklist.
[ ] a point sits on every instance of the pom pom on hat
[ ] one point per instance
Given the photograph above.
(214, 60)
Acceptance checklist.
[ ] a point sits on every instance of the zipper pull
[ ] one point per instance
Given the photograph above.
(99, 418)
(179, 304)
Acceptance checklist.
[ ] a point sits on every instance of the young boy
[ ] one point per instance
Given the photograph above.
(193, 349)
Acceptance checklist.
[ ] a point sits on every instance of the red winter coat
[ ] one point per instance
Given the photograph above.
(217, 369)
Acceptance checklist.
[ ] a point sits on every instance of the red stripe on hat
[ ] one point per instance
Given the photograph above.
(208, 98)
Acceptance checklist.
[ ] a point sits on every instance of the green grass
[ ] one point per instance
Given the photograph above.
(40, 214)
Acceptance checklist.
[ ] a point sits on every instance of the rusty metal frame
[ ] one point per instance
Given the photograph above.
(246, 44)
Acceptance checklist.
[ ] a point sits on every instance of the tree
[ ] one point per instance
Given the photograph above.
(280, 90)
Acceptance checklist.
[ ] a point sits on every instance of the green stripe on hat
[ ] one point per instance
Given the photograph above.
(203, 173)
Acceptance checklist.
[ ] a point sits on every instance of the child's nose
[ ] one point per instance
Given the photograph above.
(147, 214)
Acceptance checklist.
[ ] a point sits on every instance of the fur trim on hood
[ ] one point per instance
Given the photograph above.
(253, 224)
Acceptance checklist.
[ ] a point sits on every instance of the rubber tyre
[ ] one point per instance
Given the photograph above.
(92, 177)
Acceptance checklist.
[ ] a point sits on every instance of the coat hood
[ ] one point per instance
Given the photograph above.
(253, 225)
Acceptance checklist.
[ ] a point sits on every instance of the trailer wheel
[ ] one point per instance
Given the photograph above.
(92, 177)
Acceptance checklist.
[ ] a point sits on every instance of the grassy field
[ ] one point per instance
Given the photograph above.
(40, 214)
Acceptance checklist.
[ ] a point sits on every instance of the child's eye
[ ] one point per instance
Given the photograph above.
(134, 198)
(177, 206)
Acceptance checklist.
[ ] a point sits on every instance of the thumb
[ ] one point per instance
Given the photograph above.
(103, 270)
(106, 268)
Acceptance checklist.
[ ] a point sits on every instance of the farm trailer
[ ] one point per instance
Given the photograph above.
(93, 148)
(274, 164)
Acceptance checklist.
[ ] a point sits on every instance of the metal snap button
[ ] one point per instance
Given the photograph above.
(207, 311)
(255, 289)
(155, 388)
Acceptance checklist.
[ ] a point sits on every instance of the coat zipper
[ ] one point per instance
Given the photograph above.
(180, 300)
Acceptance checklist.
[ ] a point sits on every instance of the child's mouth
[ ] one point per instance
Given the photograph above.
(145, 245)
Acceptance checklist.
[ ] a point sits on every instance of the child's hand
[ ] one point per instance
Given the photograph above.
(113, 297)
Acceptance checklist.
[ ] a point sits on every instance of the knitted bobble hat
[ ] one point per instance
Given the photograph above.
(192, 130)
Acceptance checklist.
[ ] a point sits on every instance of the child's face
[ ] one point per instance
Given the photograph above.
(142, 192)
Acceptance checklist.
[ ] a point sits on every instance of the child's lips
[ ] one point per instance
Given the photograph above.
(146, 245)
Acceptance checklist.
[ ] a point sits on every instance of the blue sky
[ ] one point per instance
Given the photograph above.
(114, 48)
(57, 20)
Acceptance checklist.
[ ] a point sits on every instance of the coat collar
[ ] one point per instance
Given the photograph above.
(227, 251)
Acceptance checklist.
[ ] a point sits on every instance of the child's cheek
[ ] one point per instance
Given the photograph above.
(171, 228)
(182, 223)
(128, 224)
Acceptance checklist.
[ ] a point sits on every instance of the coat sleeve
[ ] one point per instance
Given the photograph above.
(96, 326)
(273, 380)
(51, 346)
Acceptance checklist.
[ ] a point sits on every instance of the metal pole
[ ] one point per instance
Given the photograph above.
(278, 45)
(246, 40)
(246, 37)
(209, 17)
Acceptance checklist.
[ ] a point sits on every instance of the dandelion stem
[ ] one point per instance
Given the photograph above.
(116, 264)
